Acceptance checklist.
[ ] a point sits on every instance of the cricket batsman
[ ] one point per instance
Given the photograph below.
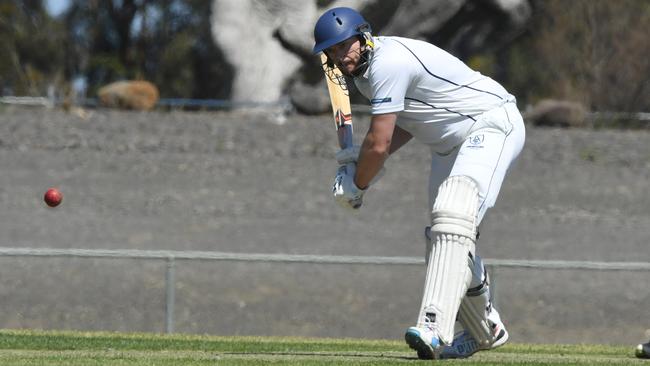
(474, 131)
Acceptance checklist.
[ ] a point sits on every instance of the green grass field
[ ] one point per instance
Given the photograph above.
(85, 349)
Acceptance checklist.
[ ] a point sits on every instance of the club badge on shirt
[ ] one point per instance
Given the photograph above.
(476, 141)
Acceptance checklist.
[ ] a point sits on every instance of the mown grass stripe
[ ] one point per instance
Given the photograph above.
(78, 341)
(51, 348)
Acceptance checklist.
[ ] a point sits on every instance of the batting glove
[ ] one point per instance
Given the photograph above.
(350, 155)
(346, 193)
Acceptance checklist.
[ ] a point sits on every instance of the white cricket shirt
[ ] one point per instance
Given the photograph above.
(436, 96)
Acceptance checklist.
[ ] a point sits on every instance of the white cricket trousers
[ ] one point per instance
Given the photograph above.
(494, 142)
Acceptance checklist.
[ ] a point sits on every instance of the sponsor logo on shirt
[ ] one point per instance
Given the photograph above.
(380, 100)
(476, 141)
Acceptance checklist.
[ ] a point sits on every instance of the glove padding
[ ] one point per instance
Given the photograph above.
(346, 193)
(350, 155)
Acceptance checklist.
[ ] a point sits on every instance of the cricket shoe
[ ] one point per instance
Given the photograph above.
(643, 350)
(425, 341)
(464, 345)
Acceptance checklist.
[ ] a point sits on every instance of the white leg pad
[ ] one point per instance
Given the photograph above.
(476, 306)
(449, 273)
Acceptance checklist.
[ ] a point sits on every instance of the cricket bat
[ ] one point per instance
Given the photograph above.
(340, 98)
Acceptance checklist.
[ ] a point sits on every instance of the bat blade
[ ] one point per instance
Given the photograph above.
(340, 99)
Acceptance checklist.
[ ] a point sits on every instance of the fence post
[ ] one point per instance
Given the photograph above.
(170, 296)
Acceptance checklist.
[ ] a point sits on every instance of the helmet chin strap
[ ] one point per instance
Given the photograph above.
(363, 63)
(365, 54)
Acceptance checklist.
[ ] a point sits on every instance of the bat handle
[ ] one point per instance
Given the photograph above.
(345, 136)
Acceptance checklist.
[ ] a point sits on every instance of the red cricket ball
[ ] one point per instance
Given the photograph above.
(53, 197)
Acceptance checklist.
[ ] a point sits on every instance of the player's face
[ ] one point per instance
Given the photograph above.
(346, 55)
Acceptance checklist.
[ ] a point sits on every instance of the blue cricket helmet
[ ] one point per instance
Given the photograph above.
(336, 25)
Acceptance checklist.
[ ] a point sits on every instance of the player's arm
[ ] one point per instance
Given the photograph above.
(375, 148)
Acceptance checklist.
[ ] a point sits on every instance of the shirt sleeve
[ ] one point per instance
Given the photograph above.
(389, 82)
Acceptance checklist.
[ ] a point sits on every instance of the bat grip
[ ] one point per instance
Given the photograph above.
(345, 141)
(345, 136)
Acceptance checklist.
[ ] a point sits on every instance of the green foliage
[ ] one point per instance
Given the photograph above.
(103, 69)
(176, 75)
(590, 51)
(167, 42)
(30, 43)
